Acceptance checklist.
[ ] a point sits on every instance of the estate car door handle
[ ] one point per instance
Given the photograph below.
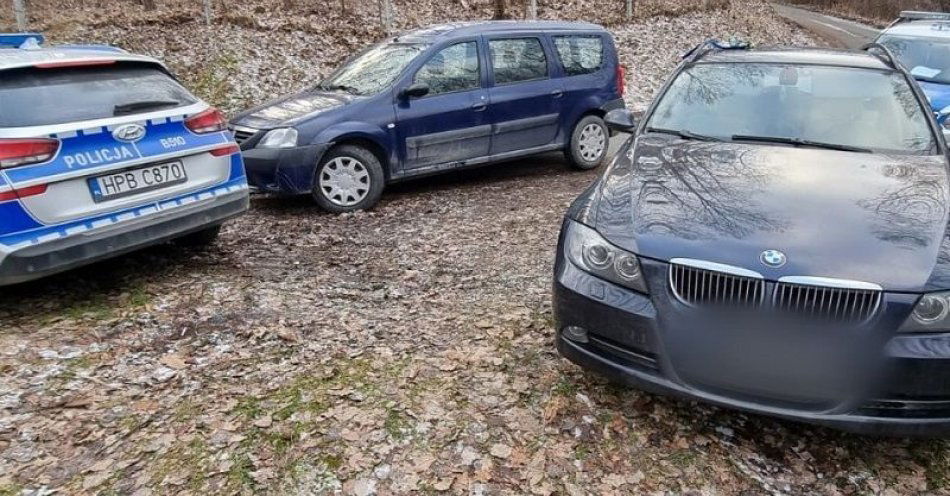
(557, 93)
(478, 107)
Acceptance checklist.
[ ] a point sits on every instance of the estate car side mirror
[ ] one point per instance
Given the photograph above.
(414, 90)
(621, 120)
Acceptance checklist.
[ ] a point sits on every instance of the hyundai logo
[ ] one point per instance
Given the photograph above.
(129, 133)
(773, 258)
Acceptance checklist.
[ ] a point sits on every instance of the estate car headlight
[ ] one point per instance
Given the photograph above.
(930, 314)
(594, 254)
(285, 137)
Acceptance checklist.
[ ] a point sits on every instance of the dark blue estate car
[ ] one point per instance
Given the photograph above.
(435, 100)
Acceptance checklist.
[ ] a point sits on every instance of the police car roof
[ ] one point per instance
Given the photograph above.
(458, 29)
(920, 28)
(809, 56)
(11, 58)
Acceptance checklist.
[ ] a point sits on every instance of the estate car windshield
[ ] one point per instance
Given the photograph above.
(373, 70)
(829, 107)
(928, 59)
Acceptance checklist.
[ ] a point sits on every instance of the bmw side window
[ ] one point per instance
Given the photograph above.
(518, 59)
(452, 69)
(580, 54)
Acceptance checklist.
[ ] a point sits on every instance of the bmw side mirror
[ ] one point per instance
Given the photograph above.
(414, 90)
(621, 120)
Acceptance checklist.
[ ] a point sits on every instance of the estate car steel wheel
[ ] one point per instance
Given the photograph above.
(345, 181)
(589, 143)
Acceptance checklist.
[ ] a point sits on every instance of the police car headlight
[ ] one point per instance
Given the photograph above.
(592, 253)
(285, 137)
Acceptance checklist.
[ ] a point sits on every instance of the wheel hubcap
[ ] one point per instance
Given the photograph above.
(344, 181)
(592, 142)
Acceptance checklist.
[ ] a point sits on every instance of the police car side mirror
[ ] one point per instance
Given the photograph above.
(621, 120)
(415, 90)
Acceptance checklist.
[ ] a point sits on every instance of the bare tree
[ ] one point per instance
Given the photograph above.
(628, 15)
(531, 11)
(19, 10)
(148, 4)
(208, 11)
(386, 15)
(500, 8)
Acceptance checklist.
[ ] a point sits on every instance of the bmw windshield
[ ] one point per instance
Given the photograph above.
(373, 70)
(800, 105)
(928, 59)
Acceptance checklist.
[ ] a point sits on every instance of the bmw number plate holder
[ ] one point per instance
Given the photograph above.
(134, 181)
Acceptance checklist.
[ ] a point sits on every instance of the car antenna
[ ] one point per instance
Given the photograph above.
(883, 53)
(714, 44)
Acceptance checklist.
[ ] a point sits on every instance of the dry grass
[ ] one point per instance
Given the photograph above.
(876, 10)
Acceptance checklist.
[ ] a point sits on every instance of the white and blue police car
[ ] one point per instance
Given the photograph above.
(103, 152)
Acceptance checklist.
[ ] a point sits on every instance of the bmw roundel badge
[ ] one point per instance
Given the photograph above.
(773, 258)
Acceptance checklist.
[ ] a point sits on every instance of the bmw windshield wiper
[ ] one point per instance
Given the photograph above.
(800, 142)
(682, 133)
(128, 108)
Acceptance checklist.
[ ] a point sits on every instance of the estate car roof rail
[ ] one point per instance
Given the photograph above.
(883, 53)
(712, 45)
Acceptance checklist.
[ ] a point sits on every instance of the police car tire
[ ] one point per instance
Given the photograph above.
(203, 237)
(573, 152)
(376, 179)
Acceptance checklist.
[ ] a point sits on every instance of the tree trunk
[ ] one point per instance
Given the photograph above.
(386, 15)
(500, 10)
(628, 15)
(208, 11)
(343, 6)
(19, 10)
(148, 4)
(531, 12)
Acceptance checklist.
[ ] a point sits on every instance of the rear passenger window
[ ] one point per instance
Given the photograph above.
(580, 54)
(518, 59)
(452, 69)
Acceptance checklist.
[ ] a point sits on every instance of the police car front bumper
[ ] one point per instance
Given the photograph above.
(283, 170)
(43, 259)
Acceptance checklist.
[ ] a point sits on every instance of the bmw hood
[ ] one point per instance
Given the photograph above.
(938, 94)
(289, 110)
(857, 216)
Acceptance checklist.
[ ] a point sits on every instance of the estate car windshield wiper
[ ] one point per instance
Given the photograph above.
(682, 133)
(339, 87)
(128, 108)
(800, 142)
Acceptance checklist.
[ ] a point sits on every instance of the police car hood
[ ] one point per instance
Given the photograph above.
(289, 110)
(858, 216)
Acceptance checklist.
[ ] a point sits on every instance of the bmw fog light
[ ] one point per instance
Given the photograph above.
(576, 334)
(930, 314)
(590, 252)
(279, 138)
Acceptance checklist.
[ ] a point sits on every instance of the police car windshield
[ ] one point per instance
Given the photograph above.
(373, 70)
(928, 59)
(798, 105)
(39, 97)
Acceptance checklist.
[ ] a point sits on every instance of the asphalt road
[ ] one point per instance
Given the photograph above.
(838, 32)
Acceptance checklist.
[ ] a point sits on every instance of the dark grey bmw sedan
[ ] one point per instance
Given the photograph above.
(772, 238)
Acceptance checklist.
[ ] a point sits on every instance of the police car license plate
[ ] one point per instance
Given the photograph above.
(134, 181)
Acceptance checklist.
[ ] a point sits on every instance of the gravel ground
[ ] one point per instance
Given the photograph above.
(404, 349)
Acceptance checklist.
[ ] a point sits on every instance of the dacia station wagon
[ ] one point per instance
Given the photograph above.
(435, 100)
(103, 152)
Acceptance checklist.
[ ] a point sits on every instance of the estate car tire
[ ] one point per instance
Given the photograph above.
(200, 238)
(348, 178)
(589, 143)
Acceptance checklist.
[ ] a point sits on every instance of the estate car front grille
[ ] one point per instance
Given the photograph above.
(704, 284)
(703, 287)
(850, 305)
(242, 134)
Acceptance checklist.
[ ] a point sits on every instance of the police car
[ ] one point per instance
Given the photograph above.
(921, 41)
(103, 152)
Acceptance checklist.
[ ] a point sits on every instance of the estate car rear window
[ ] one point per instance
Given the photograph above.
(580, 54)
(518, 59)
(38, 97)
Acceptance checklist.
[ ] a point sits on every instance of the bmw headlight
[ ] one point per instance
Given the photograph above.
(930, 314)
(285, 137)
(594, 254)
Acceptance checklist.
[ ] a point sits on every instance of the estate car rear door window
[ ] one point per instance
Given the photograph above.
(517, 59)
(448, 125)
(580, 54)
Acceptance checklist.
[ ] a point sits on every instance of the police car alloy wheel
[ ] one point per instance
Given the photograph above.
(348, 178)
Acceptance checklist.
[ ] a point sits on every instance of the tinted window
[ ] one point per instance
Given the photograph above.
(845, 106)
(452, 69)
(373, 70)
(518, 59)
(37, 97)
(580, 54)
(928, 59)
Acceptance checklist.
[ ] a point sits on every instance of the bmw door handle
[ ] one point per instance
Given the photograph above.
(478, 107)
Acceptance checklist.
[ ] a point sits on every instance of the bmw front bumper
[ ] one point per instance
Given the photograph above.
(628, 339)
(59, 251)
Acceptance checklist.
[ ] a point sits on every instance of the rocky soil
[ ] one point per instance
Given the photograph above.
(399, 350)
